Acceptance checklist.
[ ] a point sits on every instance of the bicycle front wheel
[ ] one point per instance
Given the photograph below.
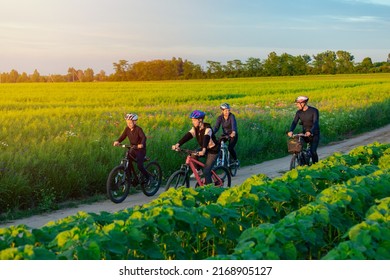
(117, 184)
(221, 177)
(154, 183)
(233, 168)
(177, 179)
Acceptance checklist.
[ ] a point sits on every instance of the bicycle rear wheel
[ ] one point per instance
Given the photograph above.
(117, 184)
(224, 174)
(154, 183)
(177, 179)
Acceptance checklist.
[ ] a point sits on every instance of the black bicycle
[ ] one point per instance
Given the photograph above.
(125, 175)
(224, 158)
(301, 154)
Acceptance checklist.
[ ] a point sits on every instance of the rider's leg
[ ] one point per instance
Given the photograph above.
(313, 147)
(210, 160)
(140, 156)
(232, 144)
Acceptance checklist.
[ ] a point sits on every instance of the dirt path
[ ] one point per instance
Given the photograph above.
(273, 168)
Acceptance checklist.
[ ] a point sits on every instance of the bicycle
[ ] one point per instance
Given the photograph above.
(220, 175)
(300, 155)
(123, 176)
(224, 157)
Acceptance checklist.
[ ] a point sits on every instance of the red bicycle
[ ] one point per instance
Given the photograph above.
(220, 175)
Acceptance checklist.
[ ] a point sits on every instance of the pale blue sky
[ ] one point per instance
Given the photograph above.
(53, 35)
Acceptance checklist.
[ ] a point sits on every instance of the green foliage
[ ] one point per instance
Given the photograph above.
(306, 214)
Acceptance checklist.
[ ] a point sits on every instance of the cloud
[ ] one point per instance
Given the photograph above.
(373, 2)
(359, 19)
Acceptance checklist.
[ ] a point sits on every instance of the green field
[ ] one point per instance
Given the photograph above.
(55, 139)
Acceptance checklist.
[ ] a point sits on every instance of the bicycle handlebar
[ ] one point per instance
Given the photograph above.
(189, 152)
(127, 146)
(299, 134)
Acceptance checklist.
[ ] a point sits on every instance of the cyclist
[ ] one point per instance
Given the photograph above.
(309, 119)
(206, 139)
(137, 138)
(229, 128)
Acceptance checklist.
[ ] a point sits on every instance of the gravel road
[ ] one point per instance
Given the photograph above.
(273, 168)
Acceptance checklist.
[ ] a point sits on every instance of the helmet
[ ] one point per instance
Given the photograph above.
(131, 116)
(197, 114)
(224, 106)
(301, 99)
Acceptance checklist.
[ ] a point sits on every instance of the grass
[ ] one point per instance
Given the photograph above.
(56, 139)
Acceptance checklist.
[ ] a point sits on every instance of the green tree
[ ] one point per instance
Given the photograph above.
(214, 69)
(365, 66)
(120, 70)
(253, 67)
(325, 63)
(35, 77)
(272, 65)
(344, 62)
(88, 75)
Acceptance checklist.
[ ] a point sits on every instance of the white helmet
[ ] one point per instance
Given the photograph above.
(301, 99)
(131, 116)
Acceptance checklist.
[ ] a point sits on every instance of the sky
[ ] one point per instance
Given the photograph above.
(53, 35)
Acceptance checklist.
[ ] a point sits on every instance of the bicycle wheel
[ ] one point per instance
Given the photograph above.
(234, 167)
(177, 179)
(294, 161)
(154, 183)
(117, 184)
(219, 161)
(224, 174)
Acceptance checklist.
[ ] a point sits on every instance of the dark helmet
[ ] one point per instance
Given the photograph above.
(302, 99)
(224, 106)
(197, 114)
(131, 116)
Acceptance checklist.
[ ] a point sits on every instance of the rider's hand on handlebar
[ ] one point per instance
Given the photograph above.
(290, 134)
(116, 143)
(175, 147)
(201, 153)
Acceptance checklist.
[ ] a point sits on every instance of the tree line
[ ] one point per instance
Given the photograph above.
(328, 62)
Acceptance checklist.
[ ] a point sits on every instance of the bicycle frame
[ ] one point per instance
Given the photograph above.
(225, 154)
(192, 162)
(128, 162)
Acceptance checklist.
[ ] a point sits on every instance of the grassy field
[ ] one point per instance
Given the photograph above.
(55, 139)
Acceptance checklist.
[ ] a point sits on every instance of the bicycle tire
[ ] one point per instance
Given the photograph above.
(294, 162)
(177, 179)
(220, 158)
(224, 174)
(154, 170)
(117, 184)
(233, 169)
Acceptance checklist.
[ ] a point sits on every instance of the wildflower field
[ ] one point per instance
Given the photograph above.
(56, 139)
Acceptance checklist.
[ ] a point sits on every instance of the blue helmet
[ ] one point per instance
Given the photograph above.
(197, 114)
(224, 106)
